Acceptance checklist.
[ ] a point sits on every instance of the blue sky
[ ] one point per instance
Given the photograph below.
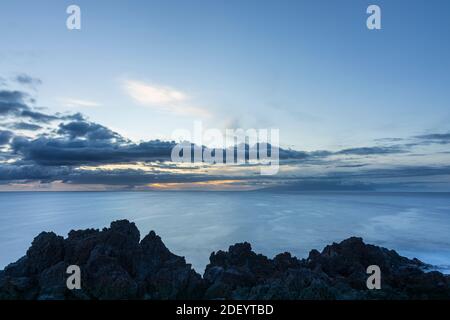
(310, 68)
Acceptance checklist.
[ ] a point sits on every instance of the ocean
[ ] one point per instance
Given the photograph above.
(194, 224)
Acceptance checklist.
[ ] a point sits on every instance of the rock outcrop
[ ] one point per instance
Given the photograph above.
(116, 264)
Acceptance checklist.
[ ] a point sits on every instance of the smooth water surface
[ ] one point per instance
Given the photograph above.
(193, 224)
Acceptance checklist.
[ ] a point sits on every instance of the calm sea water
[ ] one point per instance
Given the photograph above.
(193, 224)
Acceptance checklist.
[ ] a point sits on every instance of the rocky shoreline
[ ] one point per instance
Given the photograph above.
(116, 264)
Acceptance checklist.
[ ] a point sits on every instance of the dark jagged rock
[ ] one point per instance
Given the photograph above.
(115, 264)
(45, 251)
(164, 275)
(347, 262)
(242, 274)
(239, 267)
(338, 272)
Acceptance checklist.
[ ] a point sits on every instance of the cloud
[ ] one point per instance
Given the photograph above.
(38, 116)
(320, 155)
(17, 104)
(89, 130)
(12, 96)
(134, 177)
(366, 151)
(25, 126)
(76, 141)
(74, 103)
(70, 175)
(31, 172)
(150, 94)
(401, 171)
(28, 80)
(57, 151)
(162, 98)
(442, 138)
(5, 137)
(14, 103)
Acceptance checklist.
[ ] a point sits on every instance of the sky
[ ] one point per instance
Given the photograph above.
(354, 106)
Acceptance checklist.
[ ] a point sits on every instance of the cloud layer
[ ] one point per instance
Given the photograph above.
(45, 148)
